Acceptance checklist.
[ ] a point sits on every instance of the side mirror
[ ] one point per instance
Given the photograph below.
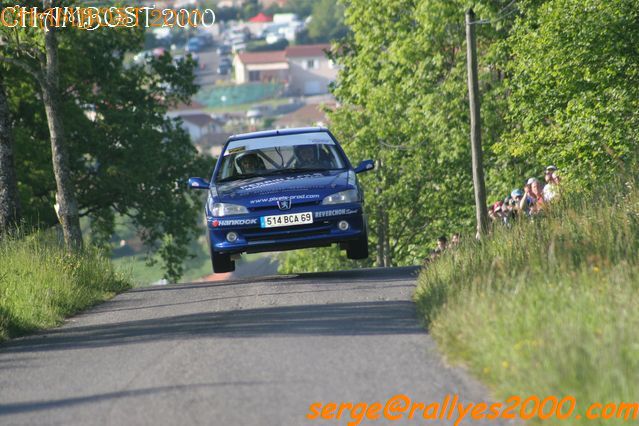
(198, 183)
(365, 166)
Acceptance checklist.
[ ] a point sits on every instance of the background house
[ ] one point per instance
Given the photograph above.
(200, 125)
(311, 71)
(253, 67)
(305, 68)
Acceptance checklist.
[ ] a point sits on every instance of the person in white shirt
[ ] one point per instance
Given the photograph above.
(551, 190)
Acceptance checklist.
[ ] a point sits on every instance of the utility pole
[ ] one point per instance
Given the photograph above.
(475, 126)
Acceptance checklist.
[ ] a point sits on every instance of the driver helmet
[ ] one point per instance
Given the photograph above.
(300, 149)
(248, 162)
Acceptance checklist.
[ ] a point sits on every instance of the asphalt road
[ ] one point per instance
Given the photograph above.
(252, 352)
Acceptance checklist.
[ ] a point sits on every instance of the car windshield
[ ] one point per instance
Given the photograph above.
(281, 154)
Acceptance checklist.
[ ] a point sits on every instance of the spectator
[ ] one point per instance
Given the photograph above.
(499, 213)
(442, 244)
(491, 213)
(533, 200)
(551, 189)
(537, 191)
(455, 240)
(516, 195)
(507, 207)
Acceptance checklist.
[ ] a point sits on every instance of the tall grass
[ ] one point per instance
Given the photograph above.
(40, 283)
(547, 307)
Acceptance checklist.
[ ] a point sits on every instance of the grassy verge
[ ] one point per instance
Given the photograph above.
(549, 307)
(40, 284)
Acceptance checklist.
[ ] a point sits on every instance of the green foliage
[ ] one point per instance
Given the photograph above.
(318, 260)
(327, 22)
(557, 296)
(402, 87)
(41, 284)
(127, 157)
(558, 83)
(575, 86)
(302, 8)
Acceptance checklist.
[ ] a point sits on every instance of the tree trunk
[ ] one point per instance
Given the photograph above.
(379, 262)
(67, 205)
(388, 258)
(379, 213)
(9, 199)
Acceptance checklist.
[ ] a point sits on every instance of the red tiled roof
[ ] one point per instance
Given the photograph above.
(261, 17)
(249, 58)
(308, 50)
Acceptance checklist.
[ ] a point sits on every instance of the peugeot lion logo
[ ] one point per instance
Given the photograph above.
(284, 204)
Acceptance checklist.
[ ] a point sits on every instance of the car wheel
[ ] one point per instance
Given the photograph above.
(222, 263)
(358, 249)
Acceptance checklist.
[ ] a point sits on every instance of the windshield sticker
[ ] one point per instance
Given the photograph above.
(236, 150)
(317, 138)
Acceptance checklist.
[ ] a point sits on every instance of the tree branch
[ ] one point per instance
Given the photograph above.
(26, 67)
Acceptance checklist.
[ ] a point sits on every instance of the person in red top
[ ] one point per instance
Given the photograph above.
(534, 195)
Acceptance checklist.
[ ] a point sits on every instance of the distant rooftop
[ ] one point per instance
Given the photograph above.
(309, 50)
(250, 58)
(261, 17)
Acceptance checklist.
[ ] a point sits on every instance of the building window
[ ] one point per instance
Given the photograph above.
(254, 76)
(311, 64)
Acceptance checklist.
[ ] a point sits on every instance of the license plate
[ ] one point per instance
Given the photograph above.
(292, 219)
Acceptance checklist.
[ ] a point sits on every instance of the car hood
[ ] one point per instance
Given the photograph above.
(265, 190)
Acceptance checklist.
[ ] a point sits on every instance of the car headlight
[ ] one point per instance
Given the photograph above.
(226, 209)
(349, 196)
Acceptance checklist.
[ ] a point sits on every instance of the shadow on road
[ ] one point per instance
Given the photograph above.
(326, 278)
(30, 406)
(336, 319)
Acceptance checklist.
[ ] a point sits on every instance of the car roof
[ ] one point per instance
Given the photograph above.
(269, 133)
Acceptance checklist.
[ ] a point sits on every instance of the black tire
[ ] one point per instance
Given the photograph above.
(358, 249)
(222, 263)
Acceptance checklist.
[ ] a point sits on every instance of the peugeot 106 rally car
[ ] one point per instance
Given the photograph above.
(283, 190)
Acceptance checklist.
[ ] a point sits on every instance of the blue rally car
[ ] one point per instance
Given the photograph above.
(283, 190)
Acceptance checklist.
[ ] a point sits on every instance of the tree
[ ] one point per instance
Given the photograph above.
(9, 198)
(44, 68)
(127, 158)
(575, 86)
(327, 22)
(403, 95)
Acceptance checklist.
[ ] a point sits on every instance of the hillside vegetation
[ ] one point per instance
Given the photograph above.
(41, 284)
(547, 307)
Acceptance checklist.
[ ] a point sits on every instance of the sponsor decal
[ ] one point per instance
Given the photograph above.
(335, 212)
(290, 199)
(279, 180)
(233, 222)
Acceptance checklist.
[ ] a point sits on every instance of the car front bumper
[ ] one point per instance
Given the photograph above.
(251, 238)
